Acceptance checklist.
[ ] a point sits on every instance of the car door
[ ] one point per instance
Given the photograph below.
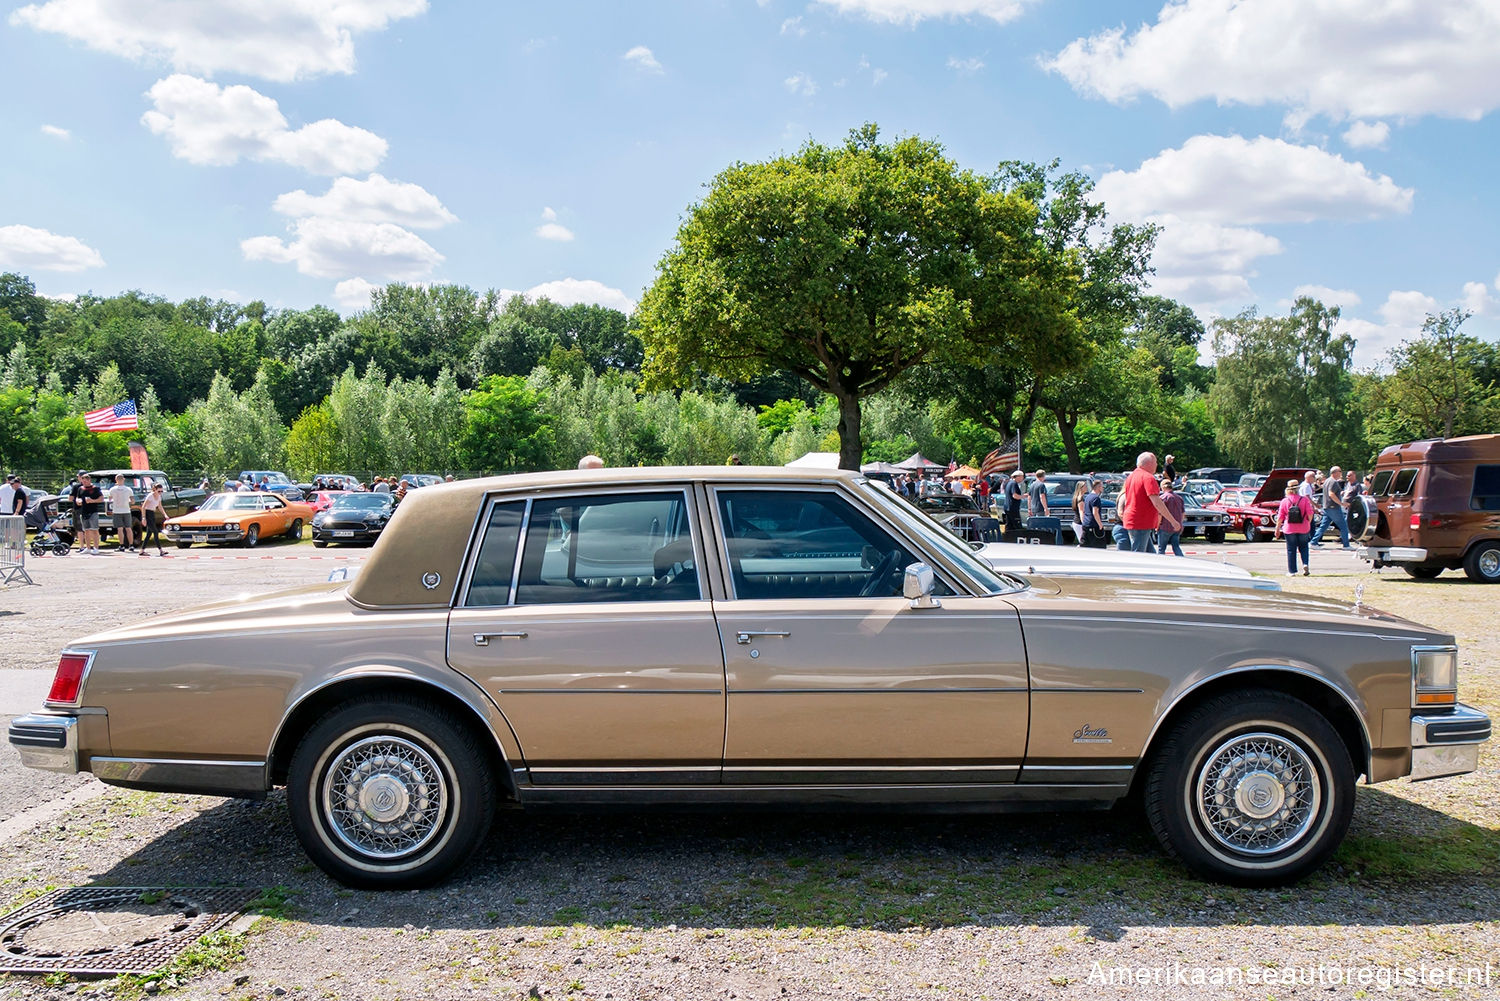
(584, 618)
(834, 678)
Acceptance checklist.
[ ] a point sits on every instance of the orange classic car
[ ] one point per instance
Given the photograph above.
(245, 517)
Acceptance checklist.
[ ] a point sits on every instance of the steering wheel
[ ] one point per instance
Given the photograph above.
(878, 575)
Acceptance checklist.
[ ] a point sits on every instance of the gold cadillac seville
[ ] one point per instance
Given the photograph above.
(736, 635)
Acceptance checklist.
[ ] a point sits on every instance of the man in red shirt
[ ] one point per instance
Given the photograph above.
(1141, 508)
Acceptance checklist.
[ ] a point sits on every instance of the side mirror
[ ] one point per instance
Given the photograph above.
(917, 583)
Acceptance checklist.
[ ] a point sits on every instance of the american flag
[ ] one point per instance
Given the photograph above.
(120, 417)
(1003, 459)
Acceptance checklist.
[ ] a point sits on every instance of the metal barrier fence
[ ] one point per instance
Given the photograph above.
(13, 550)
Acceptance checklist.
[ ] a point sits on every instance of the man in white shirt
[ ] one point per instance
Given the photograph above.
(119, 497)
(7, 495)
(1306, 489)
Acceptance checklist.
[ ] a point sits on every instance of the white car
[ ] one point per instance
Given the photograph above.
(1071, 561)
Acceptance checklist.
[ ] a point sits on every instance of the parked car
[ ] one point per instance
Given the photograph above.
(1253, 479)
(1436, 507)
(725, 635)
(246, 517)
(1229, 475)
(1254, 511)
(415, 480)
(321, 500)
(337, 481)
(1197, 518)
(276, 483)
(175, 501)
(353, 518)
(955, 512)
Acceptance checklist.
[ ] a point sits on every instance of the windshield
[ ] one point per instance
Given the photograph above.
(915, 521)
(268, 477)
(361, 502)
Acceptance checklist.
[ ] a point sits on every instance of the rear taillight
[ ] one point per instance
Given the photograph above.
(67, 684)
(1416, 520)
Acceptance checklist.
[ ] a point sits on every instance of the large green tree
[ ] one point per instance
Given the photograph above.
(848, 265)
(1439, 385)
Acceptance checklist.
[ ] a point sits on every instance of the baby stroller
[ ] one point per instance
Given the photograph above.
(56, 537)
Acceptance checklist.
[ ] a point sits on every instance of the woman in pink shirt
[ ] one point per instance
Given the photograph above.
(1294, 519)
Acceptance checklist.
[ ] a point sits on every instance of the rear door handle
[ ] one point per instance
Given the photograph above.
(483, 639)
(744, 636)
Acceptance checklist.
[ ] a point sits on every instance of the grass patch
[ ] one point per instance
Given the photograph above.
(1463, 851)
(214, 952)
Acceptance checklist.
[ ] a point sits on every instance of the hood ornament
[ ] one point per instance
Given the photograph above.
(1359, 594)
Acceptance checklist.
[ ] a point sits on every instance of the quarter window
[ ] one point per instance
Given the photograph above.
(1486, 495)
(808, 544)
(1403, 482)
(607, 548)
(489, 584)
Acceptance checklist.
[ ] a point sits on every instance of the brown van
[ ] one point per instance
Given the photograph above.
(1437, 507)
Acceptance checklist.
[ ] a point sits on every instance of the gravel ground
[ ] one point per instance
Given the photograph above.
(772, 905)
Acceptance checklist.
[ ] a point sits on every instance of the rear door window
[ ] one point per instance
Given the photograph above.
(1403, 482)
(1486, 496)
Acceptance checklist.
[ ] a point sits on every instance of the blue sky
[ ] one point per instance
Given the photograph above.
(300, 151)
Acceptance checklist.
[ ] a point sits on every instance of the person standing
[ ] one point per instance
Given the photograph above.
(87, 500)
(19, 498)
(120, 497)
(1013, 495)
(1169, 468)
(982, 488)
(1175, 507)
(1335, 509)
(1294, 516)
(1307, 489)
(381, 486)
(1079, 493)
(8, 494)
(1142, 511)
(1037, 496)
(1093, 516)
(153, 516)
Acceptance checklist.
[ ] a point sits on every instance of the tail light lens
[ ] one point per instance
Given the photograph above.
(1416, 520)
(67, 684)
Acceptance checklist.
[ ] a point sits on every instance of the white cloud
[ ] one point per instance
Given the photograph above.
(1476, 298)
(56, 132)
(800, 83)
(1206, 264)
(1407, 309)
(1341, 297)
(375, 199)
(571, 291)
(793, 26)
(1340, 58)
(1229, 179)
(272, 39)
(339, 248)
(877, 76)
(909, 12)
(26, 248)
(353, 294)
(644, 59)
(212, 125)
(1367, 135)
(551, 229)
(965, 67)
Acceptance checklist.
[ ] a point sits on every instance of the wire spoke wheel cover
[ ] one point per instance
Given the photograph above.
(384, 796)
(1258, 793)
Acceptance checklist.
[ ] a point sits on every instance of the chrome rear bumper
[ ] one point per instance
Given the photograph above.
(1380, 555)
(1447, 743)
(46, 742)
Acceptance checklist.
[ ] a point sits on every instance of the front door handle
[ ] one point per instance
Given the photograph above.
(483, 639)
(744, 636)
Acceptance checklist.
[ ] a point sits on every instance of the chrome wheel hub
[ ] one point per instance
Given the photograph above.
(1489, 562)
(1258, 794)
(384, 796)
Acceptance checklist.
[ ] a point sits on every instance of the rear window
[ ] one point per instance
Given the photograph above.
(1403, 484)
(1486, 495)
(1382, 483)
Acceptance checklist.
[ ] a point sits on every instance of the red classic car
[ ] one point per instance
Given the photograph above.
(1253, 509)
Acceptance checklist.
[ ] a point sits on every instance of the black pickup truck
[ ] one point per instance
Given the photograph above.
(174, 500)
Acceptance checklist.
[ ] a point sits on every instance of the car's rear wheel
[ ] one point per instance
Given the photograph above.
(296, 530)
(252, 536)
(1252, 532)
(1483, 563)
(1421, 572)
(1253, 788)
(390, 792)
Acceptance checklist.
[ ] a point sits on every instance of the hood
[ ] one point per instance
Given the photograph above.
(267, 612)
(1112, 564)
(1224, 606)
(1274, 488)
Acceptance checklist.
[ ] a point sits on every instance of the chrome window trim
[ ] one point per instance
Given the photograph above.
(869, 511)
(83, 679)
(476, 543)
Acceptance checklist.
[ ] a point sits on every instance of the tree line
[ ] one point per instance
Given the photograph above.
(869, 298)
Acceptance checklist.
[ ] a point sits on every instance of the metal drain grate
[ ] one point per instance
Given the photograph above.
(105, 930)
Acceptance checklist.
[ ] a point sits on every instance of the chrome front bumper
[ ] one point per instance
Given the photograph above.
(1381, 555)
(46, 742)
(1447, 743)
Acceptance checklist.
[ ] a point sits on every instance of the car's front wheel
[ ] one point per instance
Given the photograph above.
(1253, 788)
(1214, 535)
(252, 536)
(390, 792)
